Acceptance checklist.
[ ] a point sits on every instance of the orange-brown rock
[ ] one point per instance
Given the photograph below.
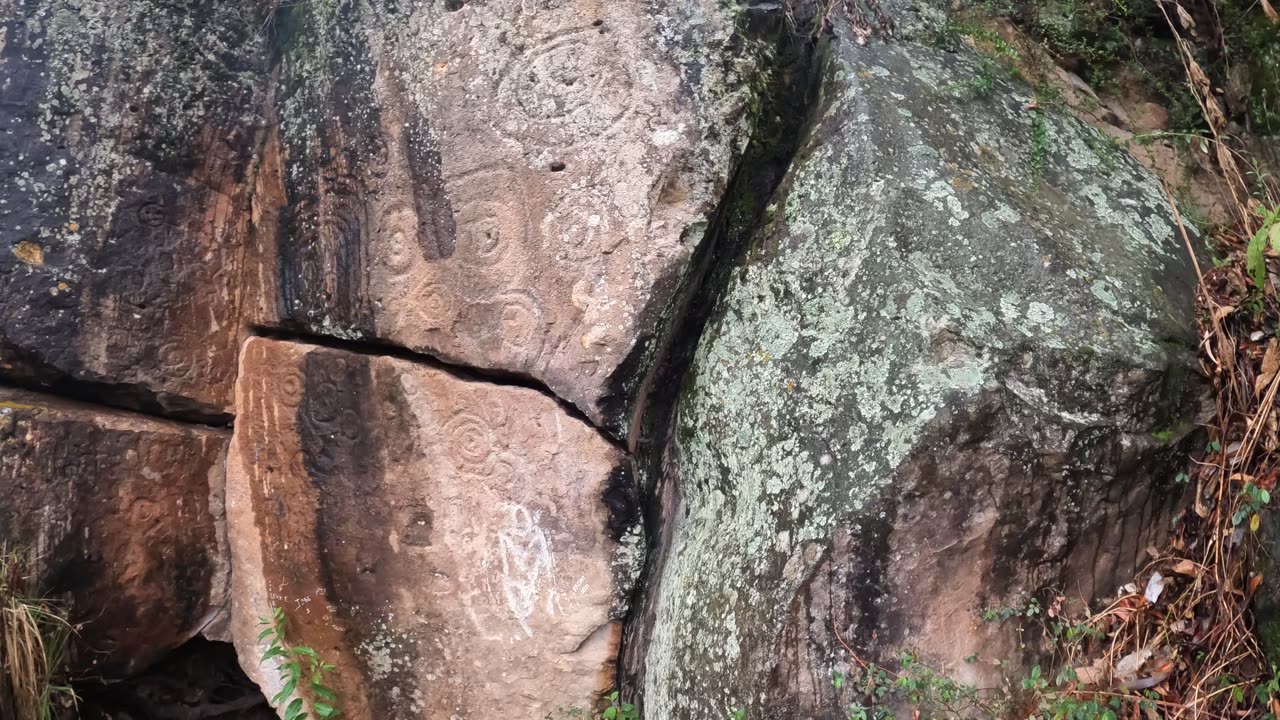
(453, 546)
(510, 185)
(123, 515)
(126, 132)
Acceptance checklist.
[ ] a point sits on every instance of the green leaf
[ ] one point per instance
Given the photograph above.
(284, 693)
(324, 711)
(294, 711)
(273, 651)
(266, 633)
(610, 713)
(324, 692)
(304, 650)
(1255, 259)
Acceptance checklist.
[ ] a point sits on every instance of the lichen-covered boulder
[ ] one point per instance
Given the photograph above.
(515, 185)
(456, 548)
(126, 133)
(123, 516)
(951, 372)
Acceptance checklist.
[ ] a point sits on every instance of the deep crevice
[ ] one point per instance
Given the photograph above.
(379, 348)
(201, 680)
(784, 113)
(121, 397)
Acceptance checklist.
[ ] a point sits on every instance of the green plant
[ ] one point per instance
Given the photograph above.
(1255, 498)
(619, 710)
(1268, 234)
(34, 638)
(289, 662)
(1040, 142)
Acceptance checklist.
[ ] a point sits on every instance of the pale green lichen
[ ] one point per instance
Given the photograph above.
(903, 283)
(118, 72)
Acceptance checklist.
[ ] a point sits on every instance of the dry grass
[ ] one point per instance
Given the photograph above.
(33, 639)
(1198, 642)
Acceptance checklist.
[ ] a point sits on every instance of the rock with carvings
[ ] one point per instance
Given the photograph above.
(126, 131)
(953, 373)
(515, 185)
(123, 514)
(453, 546)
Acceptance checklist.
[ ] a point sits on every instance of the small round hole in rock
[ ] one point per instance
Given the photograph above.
(454, 5)
(597, 23)
(557, 166)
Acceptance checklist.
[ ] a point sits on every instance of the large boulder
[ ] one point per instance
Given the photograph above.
(515, 185)
(456, 548)
(952, 372)
(126, 132)
(123, 515)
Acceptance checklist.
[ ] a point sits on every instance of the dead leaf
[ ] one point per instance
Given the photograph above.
(1184, 18)
(29, 253)
(1186, 567)
(1271, 13)
(1254, 582)
(1093, 674)
(1155, 586)
(1223, 311)
(1270, 366)
(1146, 682)
(1130, 664)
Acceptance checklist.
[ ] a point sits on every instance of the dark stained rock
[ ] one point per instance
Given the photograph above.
(515, 185)
(452, 546)
(126, 134)
(124, 515)
(953, 372)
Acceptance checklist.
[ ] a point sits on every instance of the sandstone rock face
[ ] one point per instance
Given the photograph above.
(948, 376)
(124, 514)
(451, 545)
(514, 185)
(126, 129)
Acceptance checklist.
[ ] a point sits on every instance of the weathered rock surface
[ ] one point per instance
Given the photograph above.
(456, 548)
(123, 514)
(948, 375)
(514, 185)
(126, 130)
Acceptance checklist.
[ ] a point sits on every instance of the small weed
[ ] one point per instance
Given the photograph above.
(34, 639)
(1254, 499)
(1040, 144)
(1268, 235)
(289, 662)
(619, 710)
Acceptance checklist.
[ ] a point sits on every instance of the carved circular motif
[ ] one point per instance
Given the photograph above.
(470, 443)
(491, 215)
(520, 320)
(398, 230)
(581, 227)
(568, 88)
(151, 214)
(290, 388)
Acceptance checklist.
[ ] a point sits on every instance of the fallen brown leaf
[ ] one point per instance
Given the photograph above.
(1270, 366)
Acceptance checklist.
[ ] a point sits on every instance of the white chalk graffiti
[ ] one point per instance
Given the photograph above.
(527, 564)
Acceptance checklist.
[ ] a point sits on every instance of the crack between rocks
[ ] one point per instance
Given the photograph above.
(376, 348)
(786, 110)
(92, 395)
